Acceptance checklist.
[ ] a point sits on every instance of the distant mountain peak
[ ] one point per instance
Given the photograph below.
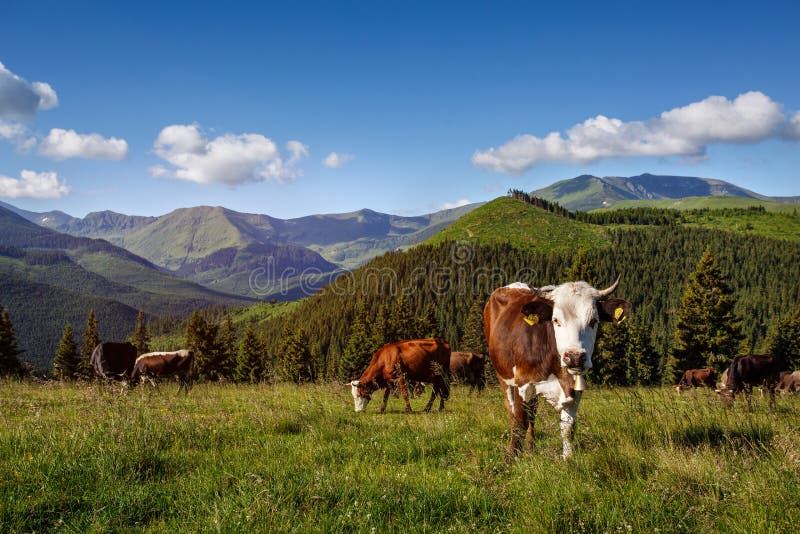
(587, 192)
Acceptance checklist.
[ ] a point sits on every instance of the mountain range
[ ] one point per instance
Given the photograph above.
(221, 249)
(587, 192)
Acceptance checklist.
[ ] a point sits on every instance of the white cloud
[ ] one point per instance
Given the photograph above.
(33, 185)
(686, 131)
(793, 128)
(19, 99)
(65, 144)
(227, 159)
(334, 160)
(456, 204)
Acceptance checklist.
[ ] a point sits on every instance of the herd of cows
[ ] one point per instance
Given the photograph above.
(540, 344)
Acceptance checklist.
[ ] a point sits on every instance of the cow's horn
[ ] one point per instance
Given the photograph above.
(353, 383)
(610, 289)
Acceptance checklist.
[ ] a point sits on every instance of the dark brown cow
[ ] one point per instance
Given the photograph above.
(695, 378)
(157, 364)
(752, 370)
(113, 361)
(789, 382)
(420, 360)
(541, 343)
(469, 368)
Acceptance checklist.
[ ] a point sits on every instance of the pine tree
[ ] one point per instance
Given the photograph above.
(201, 337)
(65, 363)
(784, 339)
(228, 346)
(425, 324)
(140, 338)
(250, 361)
(473, 339)
(9, 350)
(295, 356)
(91, 338)
(707, 331)
(359, 348)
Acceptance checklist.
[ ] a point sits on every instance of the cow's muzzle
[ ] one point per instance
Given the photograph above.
(574, 360)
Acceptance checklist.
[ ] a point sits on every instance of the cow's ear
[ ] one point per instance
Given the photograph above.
(614, 310)
(537, 311)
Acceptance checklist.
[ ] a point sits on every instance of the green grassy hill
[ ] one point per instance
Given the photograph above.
(507, 220)
(695, 203)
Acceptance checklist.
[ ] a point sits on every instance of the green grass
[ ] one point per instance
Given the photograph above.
(287, 458)
(507, 220)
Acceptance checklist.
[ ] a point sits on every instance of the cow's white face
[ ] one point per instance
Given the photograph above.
(575, 319)
(360, 398)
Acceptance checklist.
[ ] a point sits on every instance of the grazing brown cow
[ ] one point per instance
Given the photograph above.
(113, 361)
(157, 364)
(789, 382)
(752, 370)
(469, 367)
(695, 378)
(420, 360)
(541, 343)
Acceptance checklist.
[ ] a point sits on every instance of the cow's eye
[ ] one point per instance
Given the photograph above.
(556, 322)
(593, 323)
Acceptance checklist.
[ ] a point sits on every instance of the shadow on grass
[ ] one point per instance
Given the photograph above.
(755, 439)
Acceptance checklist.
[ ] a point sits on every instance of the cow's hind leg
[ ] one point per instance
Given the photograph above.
(401, 383)
(434, 391)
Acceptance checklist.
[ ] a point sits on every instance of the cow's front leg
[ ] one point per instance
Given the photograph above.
(530, 409)
(386, 392)
(519, 422)
(430, 401)
(568, 416)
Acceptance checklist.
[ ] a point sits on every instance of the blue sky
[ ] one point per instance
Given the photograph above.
(426, 103)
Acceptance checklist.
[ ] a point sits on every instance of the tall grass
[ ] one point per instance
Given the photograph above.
(287, 458)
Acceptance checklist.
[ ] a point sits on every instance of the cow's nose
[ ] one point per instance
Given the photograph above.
(574, 358)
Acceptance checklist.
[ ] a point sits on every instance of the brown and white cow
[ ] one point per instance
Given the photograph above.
(469, 368)
(789, 382)
(752, 370)
(695, 378)
(541, 343)
(417, 360)
(113, 361)
(158, 364)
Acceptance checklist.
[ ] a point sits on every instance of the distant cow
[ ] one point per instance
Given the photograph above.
(752, 370)
(469, 367)
(157, 364)
(420, 360)
(541, 343)
(113, 361)
(695, 378)
(789, 382)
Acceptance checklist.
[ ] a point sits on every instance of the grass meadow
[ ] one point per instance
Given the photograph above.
(229, 458)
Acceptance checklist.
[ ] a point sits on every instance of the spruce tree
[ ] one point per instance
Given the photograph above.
(229, 350)
(360, 346)
(9, 350)
(140, 338)
(65, 363)
(379, 331)
(707, 331)
(610, 358)
(401, 321)
(784, 339)
(91, 338)
(425, 324)
(582, 269)
(201, 338)
(473, 339)
(295, 356)
(250, 361)
(642, 357)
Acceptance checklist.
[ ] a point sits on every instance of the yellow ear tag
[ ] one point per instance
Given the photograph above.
(618, 313)
(531, 319)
